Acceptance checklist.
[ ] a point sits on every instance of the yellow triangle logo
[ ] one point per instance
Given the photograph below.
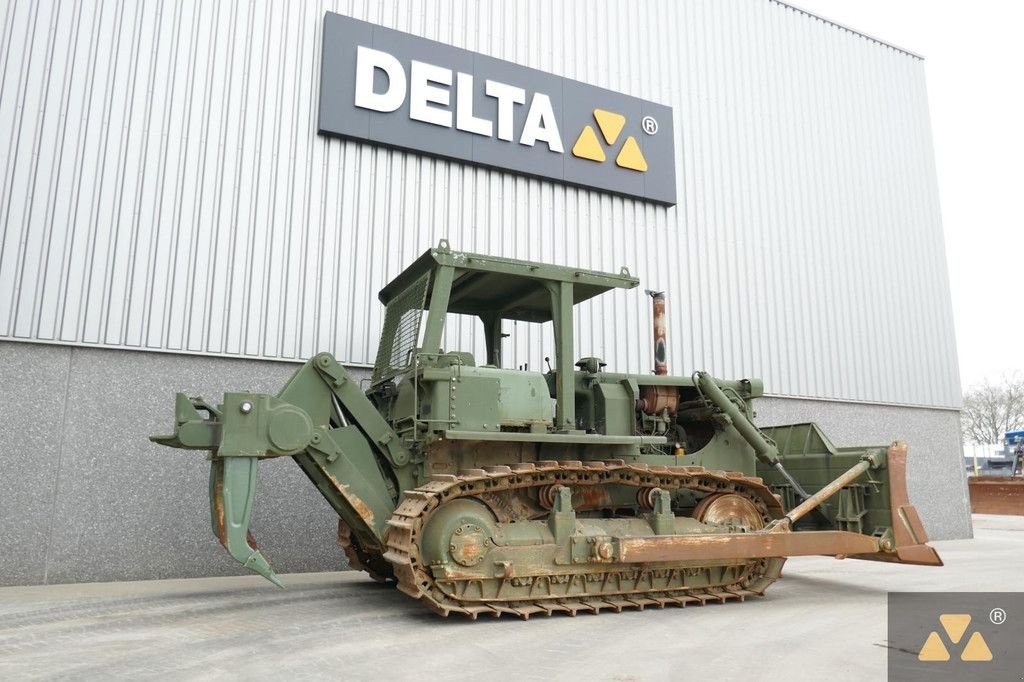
(955, 625)
(610, 124)
(588, 146)
(631, 157)
(933, 649)
(976, 649)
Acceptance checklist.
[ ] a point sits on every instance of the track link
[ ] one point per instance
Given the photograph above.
(360, 560)
(664, 585)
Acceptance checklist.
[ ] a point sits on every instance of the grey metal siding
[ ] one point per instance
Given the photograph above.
(162, 187)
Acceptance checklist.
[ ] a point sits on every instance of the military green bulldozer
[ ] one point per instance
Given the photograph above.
(483, 489)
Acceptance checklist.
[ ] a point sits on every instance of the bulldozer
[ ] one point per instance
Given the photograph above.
(481, 489)
(1002, 491)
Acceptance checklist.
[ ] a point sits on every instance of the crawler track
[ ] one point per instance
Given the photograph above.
(591, 588)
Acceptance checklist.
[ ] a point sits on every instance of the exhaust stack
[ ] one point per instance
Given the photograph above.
(660, 352)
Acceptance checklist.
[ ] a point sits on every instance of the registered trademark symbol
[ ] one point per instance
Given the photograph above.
(650, 125)
(997, 616)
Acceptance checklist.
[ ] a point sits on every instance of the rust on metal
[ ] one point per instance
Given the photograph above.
(583, 497)
(358, 505)
(364, 511)
(217, 500)
(660, 351)
(508, 507)
(468, 545)
(645, 498)
(909, 534)
(743, 546)
(658, 399)
(728, 508)
(996, 494)
(591, 497)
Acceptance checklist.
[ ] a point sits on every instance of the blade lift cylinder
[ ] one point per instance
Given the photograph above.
(764, 447)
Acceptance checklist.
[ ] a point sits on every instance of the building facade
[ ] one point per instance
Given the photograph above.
(171, 220)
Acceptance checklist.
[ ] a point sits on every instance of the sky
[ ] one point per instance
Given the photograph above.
(974, 67)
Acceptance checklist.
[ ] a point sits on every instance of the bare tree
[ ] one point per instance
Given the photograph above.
(990, 410)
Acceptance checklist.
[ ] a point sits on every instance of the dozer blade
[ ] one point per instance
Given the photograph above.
(232, 489)
(997, 494)
(910, 540)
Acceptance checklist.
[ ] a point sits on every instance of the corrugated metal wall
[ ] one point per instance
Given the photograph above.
(163, 188)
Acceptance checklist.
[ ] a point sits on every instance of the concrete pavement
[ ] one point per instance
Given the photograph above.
(824, 619)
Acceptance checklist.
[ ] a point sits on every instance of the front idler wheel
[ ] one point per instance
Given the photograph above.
(729, 509)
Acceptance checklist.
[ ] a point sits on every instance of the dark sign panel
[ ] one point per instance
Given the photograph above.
(391, 88)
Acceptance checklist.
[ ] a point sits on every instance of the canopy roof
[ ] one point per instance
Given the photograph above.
(512, 289)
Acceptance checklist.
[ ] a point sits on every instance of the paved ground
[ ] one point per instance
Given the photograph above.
(825, 619)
